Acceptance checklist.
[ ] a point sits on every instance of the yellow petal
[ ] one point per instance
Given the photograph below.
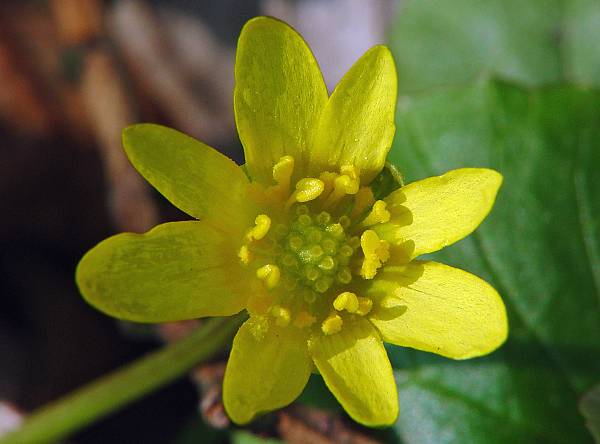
(355, 367)
(178, 270)
(430, 214)
(267, 369)
(357, 124)
(279, 95)
(194, 177)
(437, 308)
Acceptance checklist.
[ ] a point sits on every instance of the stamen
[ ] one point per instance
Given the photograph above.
(261, 228)
(376, 253)
(244, 254)
(307, 189)
(378, 215)
(282, 174)
(346, 183)
(350, 171)
(270, 274)
(346, 301)
(364, 306)
(332, 324)
(281, 314)
(328, 179)
(362, 200)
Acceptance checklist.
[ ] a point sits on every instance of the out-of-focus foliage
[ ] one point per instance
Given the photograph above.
(590, 408)
(533, 43)
(540, 247)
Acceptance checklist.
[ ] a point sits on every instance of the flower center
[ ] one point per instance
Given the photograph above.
(314, 250)
(310, 245)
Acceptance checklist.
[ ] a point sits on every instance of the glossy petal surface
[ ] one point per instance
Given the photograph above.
(268, 368)
(437, 308)
(279, 95)
(355, 367)
(193, 176)
(357, 124)
(432, 213)
(178, 270)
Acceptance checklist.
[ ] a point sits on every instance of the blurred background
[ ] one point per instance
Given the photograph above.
(474, 75)
(73, 73)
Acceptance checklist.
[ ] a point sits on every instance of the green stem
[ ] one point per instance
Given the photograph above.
(115, 390)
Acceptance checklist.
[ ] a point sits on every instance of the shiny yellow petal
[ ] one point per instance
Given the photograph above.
(279, 95)
(355, 367)
(178, 270)
(437, 308)
(268, 368)
(357, 124)
(193, 176)
(430, 214)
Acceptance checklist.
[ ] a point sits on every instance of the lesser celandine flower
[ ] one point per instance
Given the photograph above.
(298, 239)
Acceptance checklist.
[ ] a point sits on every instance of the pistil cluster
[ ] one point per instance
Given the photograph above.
(311, 244)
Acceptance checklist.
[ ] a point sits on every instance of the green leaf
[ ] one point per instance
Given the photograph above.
(590, 408)
(536, 42)
(540, 247)
(387, 181)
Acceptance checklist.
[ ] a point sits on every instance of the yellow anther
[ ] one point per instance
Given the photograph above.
(376, 253)
(351, 171)
(362, 200)
(364, 306)
(269, 274)
(281, 314)
(307, 189)
(282, 173)
(378, 215)
(343, 185)
(346, 301)
(244, 254)
(260, 229)
(332, 324)
(304, 319)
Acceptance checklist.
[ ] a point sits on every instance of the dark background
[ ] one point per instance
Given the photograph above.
(70, 79)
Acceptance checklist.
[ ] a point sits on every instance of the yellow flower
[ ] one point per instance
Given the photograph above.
(326, 271)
